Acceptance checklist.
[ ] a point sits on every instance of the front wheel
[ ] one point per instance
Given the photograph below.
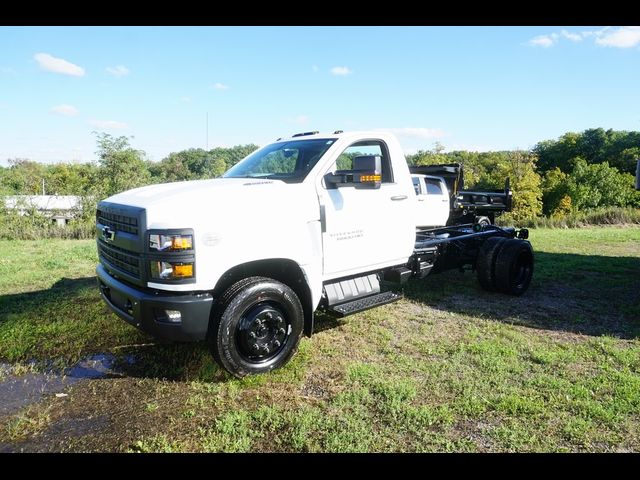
(256, 327)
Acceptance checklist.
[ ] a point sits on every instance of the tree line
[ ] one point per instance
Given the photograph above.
(574, 173)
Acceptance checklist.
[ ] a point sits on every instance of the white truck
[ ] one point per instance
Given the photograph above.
(308, 222)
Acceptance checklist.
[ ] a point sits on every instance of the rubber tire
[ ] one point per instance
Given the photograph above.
(237, 299)
(484, 221)
(486, 262)
(514, 267)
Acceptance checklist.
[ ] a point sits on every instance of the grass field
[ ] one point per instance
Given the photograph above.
(449, 368)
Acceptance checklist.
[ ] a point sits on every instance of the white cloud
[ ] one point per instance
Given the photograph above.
(220, 86)
(186, 99)
(545, 41)
(65, 110)
(108, 124)
(118, 71)
(341, 71)
(421, 133)
(8, 70)
(574, 37)
(58, 65)
(315, 68)
(623, 37)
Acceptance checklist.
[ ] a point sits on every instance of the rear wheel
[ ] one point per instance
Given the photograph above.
(485, 264)
(256, 327)
(514, 267)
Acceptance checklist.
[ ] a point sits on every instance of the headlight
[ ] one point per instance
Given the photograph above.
(161, 270)
(170, 243)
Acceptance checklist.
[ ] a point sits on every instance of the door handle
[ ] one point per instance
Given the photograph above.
(395, 198)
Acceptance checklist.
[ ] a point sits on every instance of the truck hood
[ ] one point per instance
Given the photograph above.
(182, 204)
(194, 190)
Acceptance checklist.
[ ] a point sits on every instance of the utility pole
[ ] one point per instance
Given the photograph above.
(43, 187)
(207, 131)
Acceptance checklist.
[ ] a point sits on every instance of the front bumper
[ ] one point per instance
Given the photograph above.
(145, 309)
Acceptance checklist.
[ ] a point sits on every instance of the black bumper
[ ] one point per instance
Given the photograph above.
(147, 310)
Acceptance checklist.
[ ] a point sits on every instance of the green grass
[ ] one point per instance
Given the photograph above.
(449, 368)
(621, 216)
(31, 265)
(49, 305)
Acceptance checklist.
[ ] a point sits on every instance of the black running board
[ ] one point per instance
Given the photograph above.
(362, 304)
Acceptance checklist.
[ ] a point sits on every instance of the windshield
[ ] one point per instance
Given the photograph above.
(287, 161)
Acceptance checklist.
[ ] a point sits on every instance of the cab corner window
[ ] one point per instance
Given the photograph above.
(433, 187)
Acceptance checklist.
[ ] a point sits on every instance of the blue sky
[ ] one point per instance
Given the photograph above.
(476, 88)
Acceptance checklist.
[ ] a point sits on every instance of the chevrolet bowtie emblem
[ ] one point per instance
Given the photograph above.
(108, 234)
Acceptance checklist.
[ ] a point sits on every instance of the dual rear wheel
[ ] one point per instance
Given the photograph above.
(505, 265)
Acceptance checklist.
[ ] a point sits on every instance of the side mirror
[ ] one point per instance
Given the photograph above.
(366, 173)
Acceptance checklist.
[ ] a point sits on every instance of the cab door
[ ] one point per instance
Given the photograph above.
(360, 225)
(433, 201)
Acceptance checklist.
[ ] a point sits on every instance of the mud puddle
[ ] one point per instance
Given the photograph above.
(19, 391)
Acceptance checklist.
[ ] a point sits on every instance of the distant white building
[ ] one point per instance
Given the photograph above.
(60, 208)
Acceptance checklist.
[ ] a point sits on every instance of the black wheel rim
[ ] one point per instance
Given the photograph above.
(262, 332)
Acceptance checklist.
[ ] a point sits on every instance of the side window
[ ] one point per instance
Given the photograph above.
(367, 147)
(433, 187)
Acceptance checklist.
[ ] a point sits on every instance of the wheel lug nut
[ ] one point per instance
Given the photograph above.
(269, 315)
(255, 347)
(281, 331)
(252, 335)
(279, 319)
(277, 343)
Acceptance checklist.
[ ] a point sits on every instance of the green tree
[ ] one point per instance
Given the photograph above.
(24, 177)
(71, 178)
(554, 190)
(563, 208)
(595, 145)
(520, 168)
(196, 163)
(599, 185)
(122, 167)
